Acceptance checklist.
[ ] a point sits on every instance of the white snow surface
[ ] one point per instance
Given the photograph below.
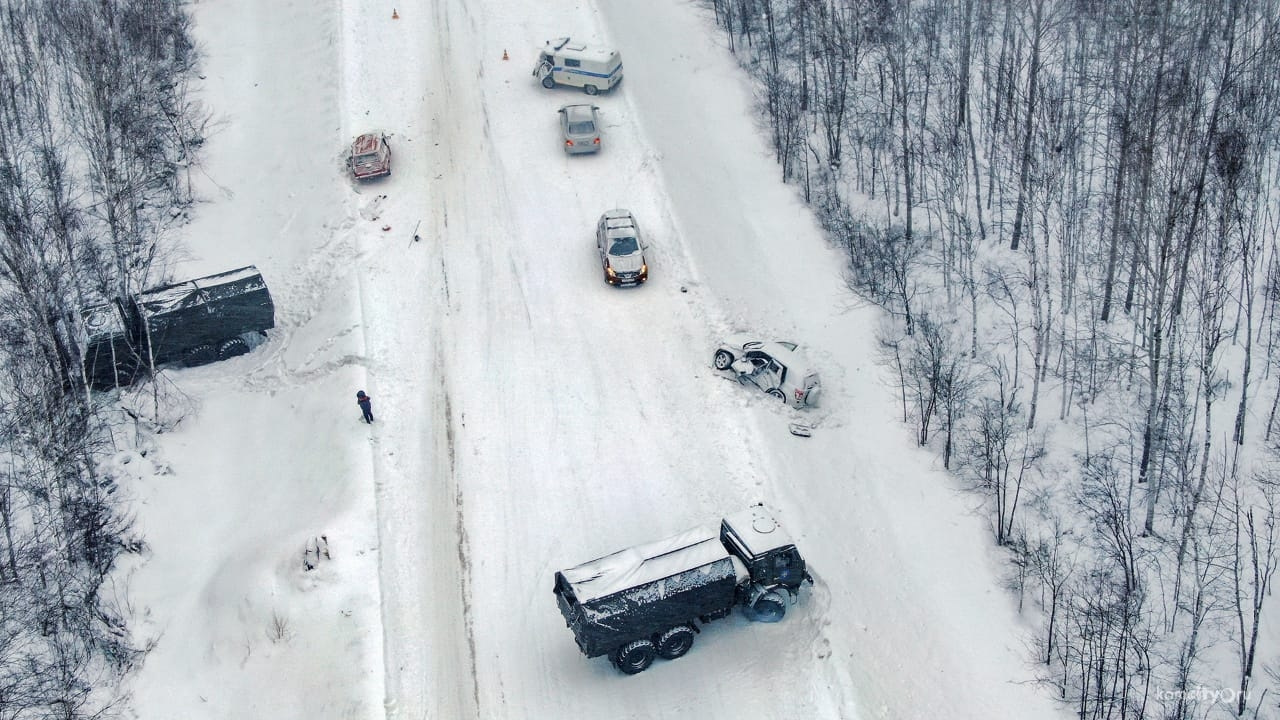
(529, 417)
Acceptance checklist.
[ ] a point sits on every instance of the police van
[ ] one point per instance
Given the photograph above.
(593, 69)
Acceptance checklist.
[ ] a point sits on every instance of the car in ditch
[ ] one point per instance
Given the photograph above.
(580, 128)
(776, 367)
(621, 247)
(370, 156)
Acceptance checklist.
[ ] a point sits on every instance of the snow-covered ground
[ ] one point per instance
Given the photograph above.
(529, 417)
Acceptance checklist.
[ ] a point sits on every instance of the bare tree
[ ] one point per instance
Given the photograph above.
(1257, 543)
(1000, 450)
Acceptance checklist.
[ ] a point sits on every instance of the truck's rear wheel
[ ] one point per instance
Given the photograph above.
(724, 359)
(675, 642)
(769, 607)
(634, 657)
(200, 355)
(232, 347)
(778, 394)
(548, 83)
(591, 90)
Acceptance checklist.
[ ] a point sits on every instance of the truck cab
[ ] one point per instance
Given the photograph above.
(765, 548)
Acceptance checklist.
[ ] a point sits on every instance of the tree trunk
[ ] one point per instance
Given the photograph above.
(1028, 125)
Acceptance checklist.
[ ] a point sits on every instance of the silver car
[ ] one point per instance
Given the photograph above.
(580, 126)
(776, 367)
(621, 248)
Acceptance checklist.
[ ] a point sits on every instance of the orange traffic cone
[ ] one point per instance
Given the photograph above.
(394, 15)
(504, 55)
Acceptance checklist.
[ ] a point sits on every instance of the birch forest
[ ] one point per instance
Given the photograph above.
(1067, 212)
(96, 140)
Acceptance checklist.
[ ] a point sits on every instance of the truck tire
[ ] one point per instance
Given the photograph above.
(232, 347)
(591, 90)
(200, 355)
(675, 642)
(769, 608)
(778, 394)
(634, 657)
(548, 83)
(723, 360)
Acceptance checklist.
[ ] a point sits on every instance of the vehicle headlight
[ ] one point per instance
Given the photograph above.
(608, 270)
(644, 269)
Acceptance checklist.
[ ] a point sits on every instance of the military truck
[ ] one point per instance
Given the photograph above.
(642, 603)
(193, 322)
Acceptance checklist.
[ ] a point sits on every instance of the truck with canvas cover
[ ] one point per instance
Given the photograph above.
(193, 322)
(645, 601)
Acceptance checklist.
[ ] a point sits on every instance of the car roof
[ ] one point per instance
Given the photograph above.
(578, 112)
(620, 223)
(582, 50)
(366, 143)
(777, 349)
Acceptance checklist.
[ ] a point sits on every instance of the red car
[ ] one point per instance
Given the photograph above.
(370, 156)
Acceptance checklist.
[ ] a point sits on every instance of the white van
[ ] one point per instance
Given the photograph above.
(572, 63)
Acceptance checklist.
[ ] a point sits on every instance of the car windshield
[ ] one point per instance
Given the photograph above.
(367, 158)
(624, 246)
(582, 127)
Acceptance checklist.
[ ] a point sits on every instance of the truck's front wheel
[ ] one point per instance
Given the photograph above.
(769, 607)
(634, 657)
(675, 642)
(232, 347)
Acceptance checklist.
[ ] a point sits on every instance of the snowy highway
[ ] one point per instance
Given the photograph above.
(530, 417)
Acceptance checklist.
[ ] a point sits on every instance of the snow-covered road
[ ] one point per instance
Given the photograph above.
(529, 416)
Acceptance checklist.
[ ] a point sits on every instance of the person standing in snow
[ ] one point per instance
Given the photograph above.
(366, 406)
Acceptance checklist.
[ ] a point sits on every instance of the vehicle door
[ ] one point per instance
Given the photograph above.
(786, 567)
(602, 241)
(545, 63)
(773, 377)
(384, 151)
(754, 366)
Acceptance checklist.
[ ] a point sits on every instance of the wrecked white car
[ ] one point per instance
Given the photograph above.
(776, 367)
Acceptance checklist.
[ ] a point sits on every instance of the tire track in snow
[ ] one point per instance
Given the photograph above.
(464, 545)
(429, 639)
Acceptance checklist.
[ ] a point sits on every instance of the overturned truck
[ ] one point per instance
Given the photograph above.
(193, 322)
(642, 602)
